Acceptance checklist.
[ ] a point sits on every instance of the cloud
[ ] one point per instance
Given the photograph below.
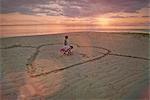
(118, 16)
(146, 16)
(72, 8)
(131, 24)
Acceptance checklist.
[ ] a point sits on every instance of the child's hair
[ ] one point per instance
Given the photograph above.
(71, 47)
(66, 37)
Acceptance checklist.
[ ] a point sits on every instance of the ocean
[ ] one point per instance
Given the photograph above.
(28, 30)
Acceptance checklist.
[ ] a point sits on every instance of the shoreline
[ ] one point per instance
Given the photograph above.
(81, 32)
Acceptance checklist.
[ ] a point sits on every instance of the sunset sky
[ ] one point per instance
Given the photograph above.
(102, 13)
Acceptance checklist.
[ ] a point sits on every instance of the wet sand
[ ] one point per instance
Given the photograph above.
(103, 66)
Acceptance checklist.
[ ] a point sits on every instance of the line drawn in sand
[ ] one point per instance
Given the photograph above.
(104, 54)
(30, 68)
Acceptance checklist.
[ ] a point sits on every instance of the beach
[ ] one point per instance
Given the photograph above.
(104, 66)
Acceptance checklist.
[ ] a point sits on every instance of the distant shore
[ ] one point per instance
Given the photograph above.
(48, 34)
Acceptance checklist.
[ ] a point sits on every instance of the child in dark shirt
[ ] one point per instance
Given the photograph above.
(66, 40)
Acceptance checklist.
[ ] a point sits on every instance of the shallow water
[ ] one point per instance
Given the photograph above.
(27, 30)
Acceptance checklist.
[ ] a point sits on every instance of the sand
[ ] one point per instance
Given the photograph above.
(104, 66)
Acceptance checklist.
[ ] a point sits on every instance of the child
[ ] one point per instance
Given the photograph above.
(66, 50)
(66, 41)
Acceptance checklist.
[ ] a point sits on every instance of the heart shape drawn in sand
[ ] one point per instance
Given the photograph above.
(49, 60)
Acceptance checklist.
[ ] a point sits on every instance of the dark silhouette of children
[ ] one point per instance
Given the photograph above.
(67, 49)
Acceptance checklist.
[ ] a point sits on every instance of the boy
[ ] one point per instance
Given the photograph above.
(66, 41)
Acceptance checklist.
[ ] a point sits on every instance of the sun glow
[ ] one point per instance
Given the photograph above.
(104, 21)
